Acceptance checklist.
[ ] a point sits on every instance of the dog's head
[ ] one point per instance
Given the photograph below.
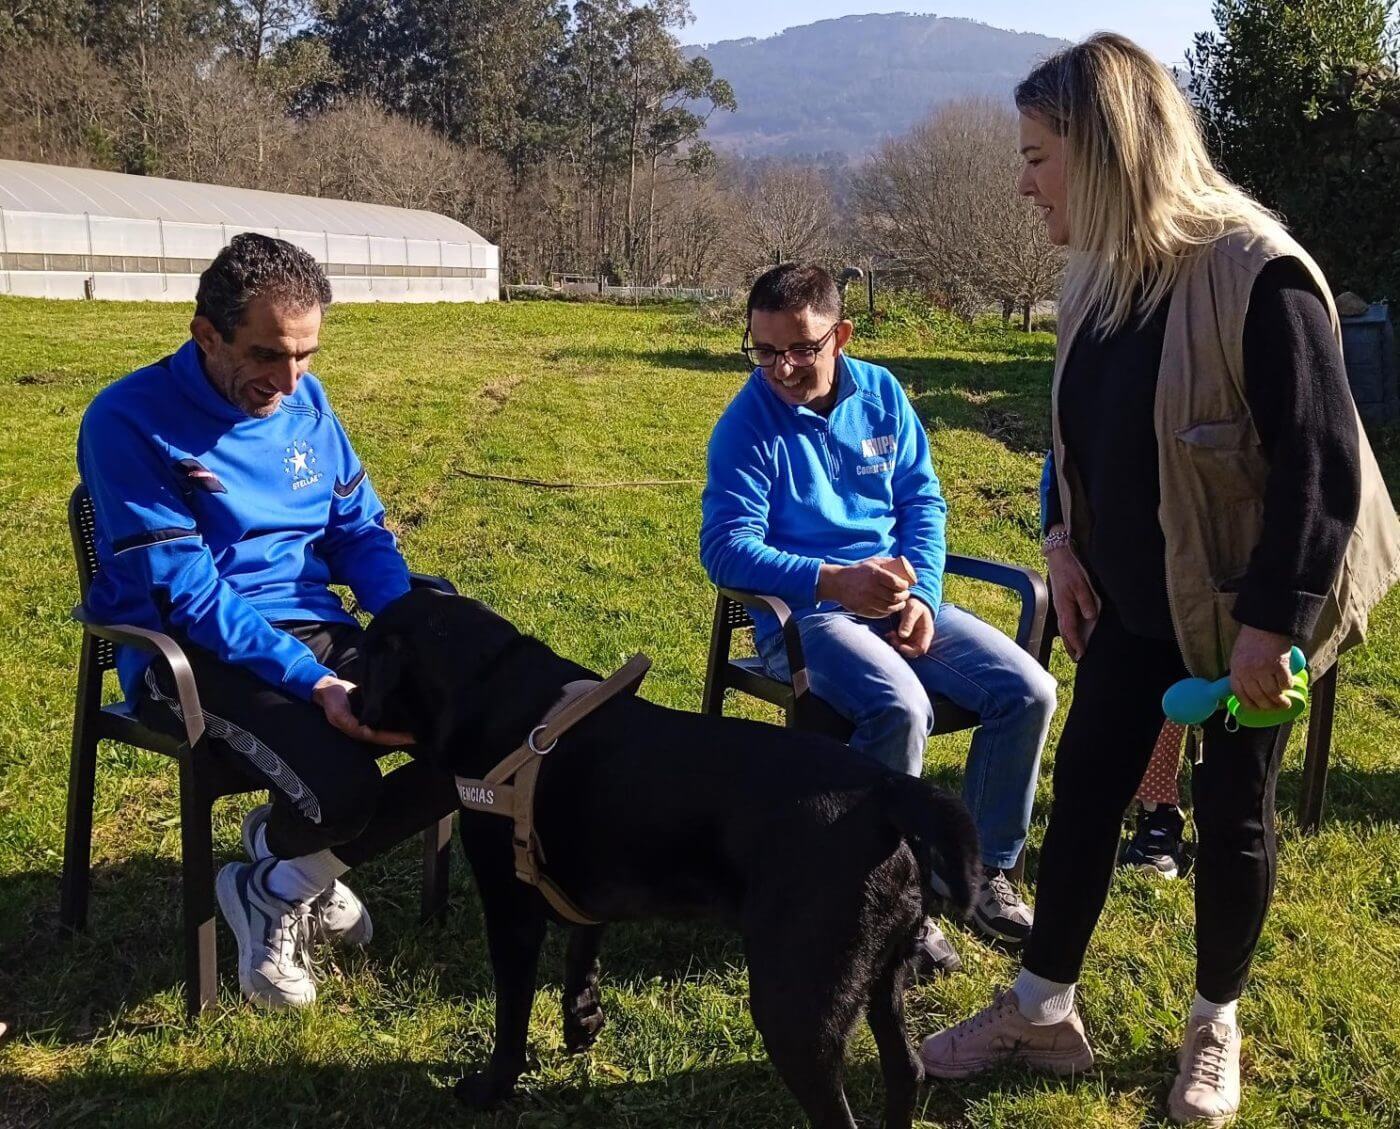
(428, 657)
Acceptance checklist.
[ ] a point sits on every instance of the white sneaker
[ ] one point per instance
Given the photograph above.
(1207, 1088)
(336, 914)
(272, 934)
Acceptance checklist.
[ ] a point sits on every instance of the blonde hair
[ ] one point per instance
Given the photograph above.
(1144, 196)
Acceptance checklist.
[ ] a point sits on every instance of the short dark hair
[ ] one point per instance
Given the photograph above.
(258, 266)
(796, 286)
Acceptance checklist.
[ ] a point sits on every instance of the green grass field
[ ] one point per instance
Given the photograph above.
(590, 394)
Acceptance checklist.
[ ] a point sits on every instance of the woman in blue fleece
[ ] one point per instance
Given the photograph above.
(819, 475)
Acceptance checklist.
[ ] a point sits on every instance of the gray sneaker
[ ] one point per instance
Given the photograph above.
(999, 911)
(1207, 1086)
(273, 964)
(337, 915)
(934, 954)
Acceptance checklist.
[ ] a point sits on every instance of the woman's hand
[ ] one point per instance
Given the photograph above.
(1076, 602)
(1259, 671)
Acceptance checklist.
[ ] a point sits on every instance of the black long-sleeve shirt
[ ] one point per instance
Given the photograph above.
(1296, 389)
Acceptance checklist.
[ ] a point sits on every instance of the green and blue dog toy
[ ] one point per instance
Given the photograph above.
(1192, 700)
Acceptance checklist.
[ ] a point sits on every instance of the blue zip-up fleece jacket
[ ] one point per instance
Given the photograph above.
(217, 525)
(789, 490)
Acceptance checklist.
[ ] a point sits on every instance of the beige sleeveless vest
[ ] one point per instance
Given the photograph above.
(1213, 467)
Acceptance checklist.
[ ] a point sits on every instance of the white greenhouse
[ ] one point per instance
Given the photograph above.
(82, 233)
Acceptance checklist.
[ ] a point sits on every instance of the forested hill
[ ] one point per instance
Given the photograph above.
(847, 84)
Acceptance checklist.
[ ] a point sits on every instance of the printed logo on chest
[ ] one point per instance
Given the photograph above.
(877, 448)
(299, 463)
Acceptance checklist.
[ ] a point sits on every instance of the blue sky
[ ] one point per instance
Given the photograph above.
(1164, 27)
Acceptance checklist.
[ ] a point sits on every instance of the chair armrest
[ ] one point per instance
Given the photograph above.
(438, 583)
(1025, 582)
(167, 649)
(792, 638)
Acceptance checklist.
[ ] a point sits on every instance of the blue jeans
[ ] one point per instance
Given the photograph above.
(886, 696)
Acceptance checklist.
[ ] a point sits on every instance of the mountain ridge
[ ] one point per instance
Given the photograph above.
(847, 83)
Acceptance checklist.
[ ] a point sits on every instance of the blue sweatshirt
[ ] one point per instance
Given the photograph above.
(789, 490)
(218, 525)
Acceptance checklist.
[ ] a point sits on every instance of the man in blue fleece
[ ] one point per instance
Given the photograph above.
(228, 499)
(819, 478)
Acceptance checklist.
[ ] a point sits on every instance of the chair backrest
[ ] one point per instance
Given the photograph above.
(736, 616)
(82, 527)
(730, 616)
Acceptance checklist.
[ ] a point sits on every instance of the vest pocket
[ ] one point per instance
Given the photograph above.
(1223, 434)
(1225, 458)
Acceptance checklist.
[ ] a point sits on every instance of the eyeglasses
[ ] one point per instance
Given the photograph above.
(799, 356)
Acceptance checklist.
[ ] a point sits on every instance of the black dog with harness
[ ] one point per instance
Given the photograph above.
(824, 861)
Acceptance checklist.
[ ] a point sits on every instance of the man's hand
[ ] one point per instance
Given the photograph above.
(1259, 672)
(868, 589)
(914, 635)
(1076, 602)
(333, 696)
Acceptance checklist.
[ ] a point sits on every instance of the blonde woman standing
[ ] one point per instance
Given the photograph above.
(1216, 501)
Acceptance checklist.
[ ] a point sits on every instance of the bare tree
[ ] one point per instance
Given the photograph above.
(941, 203)
(59, 104)
(356, 151)
(216, 123)
(786, 214)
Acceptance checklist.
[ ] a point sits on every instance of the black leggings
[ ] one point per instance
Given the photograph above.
(1103, 752)
(326, 789)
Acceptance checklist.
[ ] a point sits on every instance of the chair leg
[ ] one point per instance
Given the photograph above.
(1319, 751)
(82, 783)
(197, 883)
(712, 698)
(77, 834)
(437, 863)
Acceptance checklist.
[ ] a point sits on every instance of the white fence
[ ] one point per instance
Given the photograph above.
(575, 284)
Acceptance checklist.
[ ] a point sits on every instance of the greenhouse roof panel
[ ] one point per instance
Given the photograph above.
(27, 187)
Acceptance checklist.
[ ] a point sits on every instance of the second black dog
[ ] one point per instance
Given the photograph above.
(824, 861)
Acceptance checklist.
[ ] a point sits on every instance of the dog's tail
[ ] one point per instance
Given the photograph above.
(939, 830)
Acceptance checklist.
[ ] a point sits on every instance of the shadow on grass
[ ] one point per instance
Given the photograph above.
(1355, 796)
(699, 360)
(294, 1091)
(1006, 400)
(71, 986)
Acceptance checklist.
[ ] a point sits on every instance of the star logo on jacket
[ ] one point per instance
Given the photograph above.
(299, 463)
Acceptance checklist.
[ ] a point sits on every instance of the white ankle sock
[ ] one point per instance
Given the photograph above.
(1202, 1008)
(1042, 1001)
(302, 879)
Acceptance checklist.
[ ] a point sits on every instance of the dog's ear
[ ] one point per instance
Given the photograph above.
(378, 701)
(455, 728)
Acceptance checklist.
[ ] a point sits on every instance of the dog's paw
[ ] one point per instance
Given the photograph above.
(480, 1090)
(582, 1023)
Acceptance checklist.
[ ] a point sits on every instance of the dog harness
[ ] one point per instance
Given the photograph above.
(509, 788)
